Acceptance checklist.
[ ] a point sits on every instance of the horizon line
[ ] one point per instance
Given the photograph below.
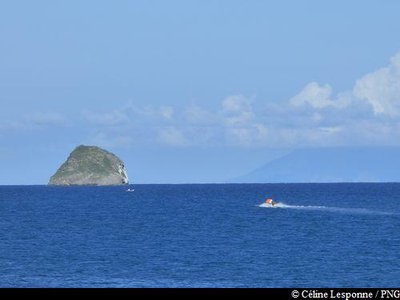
(208, 183)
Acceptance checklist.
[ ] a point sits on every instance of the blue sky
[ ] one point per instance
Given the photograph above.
(193, 91)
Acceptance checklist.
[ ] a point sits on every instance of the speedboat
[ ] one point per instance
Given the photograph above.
(130, 190)
(270, 203)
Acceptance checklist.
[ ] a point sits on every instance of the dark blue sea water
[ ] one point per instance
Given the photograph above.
(325, 235)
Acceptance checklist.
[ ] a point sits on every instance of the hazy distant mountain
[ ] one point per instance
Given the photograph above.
(371, 164)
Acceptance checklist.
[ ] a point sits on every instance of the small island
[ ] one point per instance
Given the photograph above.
(91, 165)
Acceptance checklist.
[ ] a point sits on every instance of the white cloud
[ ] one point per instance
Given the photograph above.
(159, 113)
(166, 112)
(368, 113)
(171, 136)
(114, 117)
(130, 114)
(318, 97)
(332, 129)
(236, 104)
(237, 110)
(194, 114)
(313, 94)
(252, 135)
(381, 88)
(241, 124)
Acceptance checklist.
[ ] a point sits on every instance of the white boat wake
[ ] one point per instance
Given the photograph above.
(326, 208)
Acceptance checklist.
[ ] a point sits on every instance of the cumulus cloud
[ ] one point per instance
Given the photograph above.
(240, 122)
(315, 95)
(368, 113)
(237, 110)
(318, 97)
(381, 89)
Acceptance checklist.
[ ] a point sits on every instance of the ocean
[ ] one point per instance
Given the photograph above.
(205, 235)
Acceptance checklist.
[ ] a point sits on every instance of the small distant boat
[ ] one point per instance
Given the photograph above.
(130, 190)
(270, 203)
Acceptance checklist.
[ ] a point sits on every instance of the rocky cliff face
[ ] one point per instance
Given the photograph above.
(90, 165)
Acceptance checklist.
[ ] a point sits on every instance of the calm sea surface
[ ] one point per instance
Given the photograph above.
(324, 235)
